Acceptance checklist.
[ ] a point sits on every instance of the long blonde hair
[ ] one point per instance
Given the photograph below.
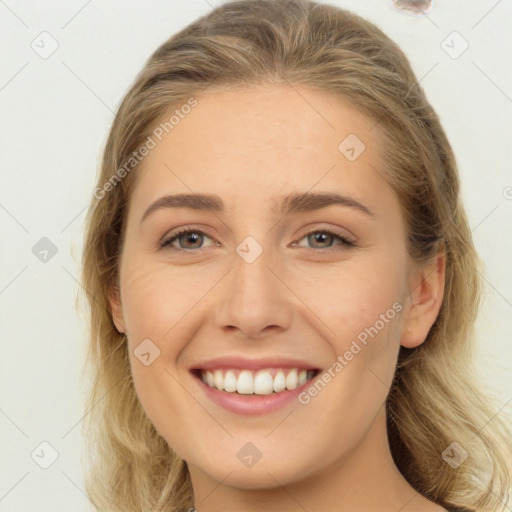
(433, 400)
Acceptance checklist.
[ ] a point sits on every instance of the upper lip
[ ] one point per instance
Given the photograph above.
(243, 363)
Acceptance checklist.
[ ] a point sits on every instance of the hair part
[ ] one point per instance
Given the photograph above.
(433, 400)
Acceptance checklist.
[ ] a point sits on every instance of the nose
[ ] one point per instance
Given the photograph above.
(255, 300)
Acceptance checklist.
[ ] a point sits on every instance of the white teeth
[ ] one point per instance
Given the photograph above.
(219, 379)
(230, 381)
(279, 382)
(291, 380)
(259, 383)
(263, 383)
(245, 383)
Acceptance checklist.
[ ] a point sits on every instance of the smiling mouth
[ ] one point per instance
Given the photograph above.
(267, 381)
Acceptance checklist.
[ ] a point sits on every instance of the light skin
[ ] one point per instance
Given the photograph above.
(303, 296)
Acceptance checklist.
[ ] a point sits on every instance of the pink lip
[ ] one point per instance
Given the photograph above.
(226, 363)
(250, 405)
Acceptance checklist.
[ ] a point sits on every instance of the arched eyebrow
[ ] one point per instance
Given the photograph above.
(295, 202)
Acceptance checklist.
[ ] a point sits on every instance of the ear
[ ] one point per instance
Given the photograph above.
(116, 309)
(426, 291)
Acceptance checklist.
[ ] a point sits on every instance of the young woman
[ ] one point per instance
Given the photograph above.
(282, 281)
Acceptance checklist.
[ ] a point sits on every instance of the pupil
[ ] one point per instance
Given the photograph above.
(192, 236)
(318, 237)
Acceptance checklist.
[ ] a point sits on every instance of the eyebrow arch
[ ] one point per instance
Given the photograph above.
(295, 202)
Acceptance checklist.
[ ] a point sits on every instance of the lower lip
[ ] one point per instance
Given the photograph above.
(251, 405)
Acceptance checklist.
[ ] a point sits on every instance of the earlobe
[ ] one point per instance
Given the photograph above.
(426, 292)
(116, 310)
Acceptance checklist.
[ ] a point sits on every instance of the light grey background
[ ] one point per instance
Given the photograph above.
(55, 113)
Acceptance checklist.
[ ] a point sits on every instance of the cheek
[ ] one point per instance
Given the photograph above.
(155, 332)
(156, 336)
(163, 400)
(361, 303)
(162, 309)
(356, 295)
(156, 301)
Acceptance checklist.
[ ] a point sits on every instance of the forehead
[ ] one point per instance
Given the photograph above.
(254, 144)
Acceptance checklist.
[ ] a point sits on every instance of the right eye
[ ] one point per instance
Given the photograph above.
(188, 235)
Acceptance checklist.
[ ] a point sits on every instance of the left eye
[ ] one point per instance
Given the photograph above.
(324, 236)
(193, 237)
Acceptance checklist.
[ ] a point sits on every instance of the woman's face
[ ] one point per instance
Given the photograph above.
(296, 260)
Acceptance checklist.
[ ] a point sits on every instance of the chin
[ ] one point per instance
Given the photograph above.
(274, 473)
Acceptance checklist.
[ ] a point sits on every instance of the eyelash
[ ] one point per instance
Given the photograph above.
(166, 243)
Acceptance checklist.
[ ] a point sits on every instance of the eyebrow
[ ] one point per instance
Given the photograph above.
(295, 202)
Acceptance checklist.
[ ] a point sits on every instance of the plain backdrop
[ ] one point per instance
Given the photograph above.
(55, 113)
